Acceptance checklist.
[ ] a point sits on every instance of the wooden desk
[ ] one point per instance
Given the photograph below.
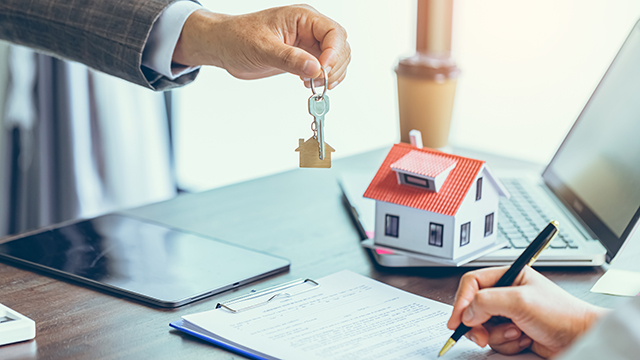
(297, 215)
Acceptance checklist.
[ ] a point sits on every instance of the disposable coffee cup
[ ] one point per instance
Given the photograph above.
(426, 91)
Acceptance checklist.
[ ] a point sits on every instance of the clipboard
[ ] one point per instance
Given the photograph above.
(246, 303)
(263, 297)
(230, 346)
(340, 316)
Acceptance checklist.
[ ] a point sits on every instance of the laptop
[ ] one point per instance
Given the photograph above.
(591, 185)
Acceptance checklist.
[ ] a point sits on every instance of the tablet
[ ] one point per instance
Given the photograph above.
(140, 259)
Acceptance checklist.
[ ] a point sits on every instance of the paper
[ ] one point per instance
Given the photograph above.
(347, 317)
(618, 282)
(623, 276)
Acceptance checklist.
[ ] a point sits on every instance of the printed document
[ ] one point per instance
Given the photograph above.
(348, 316)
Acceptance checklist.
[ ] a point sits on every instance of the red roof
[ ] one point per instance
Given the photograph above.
(385, 187)
(423, 163)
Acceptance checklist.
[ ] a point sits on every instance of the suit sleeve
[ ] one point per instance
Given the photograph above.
(107, 35)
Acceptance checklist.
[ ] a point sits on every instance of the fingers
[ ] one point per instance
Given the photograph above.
(336, 53)
(470, 283)
(293, 60)
(335, 78)
(335, 50)
(502, 333)
(509, 302)
(317, 82)
(504, 338)
(320, 40)
(513, 347)
(478, 335)
(338, 74)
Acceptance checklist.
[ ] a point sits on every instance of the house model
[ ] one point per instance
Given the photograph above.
(309, 155)
(435, 203)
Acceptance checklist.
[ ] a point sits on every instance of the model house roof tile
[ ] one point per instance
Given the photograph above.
(385, 187)
(423, 163)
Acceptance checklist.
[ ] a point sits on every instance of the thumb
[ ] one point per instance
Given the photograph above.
(504, 301)
(294, 60)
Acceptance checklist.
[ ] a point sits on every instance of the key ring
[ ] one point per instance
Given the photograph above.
(326, 80)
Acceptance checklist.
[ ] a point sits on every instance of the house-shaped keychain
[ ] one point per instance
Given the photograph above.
(435, 203)
(309, 155)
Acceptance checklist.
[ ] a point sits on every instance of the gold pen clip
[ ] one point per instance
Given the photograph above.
(535, 257)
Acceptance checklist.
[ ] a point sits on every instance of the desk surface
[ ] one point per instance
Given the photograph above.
(297, 215)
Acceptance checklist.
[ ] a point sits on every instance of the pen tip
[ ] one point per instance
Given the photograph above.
(447, 346)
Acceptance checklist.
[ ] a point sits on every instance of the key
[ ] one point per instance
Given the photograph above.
(318, 107)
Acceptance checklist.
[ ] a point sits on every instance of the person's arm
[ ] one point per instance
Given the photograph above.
(110, 36)
(157, 56)
(107, 35)
(542, 316)
(617, 336)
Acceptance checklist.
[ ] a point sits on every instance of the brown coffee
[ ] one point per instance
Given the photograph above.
(426, 104)
(427, 80)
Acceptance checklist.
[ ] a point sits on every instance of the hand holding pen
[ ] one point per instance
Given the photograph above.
(543, 317)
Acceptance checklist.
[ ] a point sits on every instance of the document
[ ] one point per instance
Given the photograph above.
(623, 276)
(348, 316)
(618, 282)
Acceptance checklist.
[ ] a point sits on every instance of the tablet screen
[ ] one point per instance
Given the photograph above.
(149, 261)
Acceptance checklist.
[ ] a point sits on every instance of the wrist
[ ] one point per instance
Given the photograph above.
(596, 313)
(199, 40)
(592, 315)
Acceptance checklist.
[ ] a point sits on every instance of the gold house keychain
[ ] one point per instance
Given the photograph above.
(315, 152)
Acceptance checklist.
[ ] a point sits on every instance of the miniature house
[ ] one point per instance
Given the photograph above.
(434, 203)
(309, 155)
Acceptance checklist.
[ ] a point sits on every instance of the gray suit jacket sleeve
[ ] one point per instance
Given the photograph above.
(107, 35)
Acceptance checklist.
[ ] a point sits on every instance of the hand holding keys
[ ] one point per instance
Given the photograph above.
(318, 107)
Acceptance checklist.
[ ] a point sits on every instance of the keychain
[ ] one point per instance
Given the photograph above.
(315, 152)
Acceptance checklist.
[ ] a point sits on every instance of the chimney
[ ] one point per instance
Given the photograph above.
(416, 138)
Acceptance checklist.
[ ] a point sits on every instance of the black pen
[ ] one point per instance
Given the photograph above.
(528, 257)
(353, 213)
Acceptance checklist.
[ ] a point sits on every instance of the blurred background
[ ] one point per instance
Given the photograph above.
(76, 143)
(528, 67)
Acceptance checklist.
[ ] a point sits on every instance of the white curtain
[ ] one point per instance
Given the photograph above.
(75, 143)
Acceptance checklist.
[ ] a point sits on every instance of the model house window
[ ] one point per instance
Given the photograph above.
(464, 234)
(479, 189)
(413, 180)
(391, 224)
(435, 234)
(488, 225)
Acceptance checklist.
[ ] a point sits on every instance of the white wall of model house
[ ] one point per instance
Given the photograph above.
(475, 212)
(413, 224)
(413, 229)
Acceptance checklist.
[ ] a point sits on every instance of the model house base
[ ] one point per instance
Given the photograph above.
(406, 258)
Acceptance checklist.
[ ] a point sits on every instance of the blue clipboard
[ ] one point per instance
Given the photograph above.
(178, 325)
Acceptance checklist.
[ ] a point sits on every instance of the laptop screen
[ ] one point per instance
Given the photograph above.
(596, 170)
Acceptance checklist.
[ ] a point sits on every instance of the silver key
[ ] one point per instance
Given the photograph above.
(318, 107)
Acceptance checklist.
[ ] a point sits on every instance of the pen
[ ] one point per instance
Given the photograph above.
(353, 213)
(528, 257)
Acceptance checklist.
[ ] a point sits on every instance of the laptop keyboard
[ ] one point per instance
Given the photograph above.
(521, 219)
